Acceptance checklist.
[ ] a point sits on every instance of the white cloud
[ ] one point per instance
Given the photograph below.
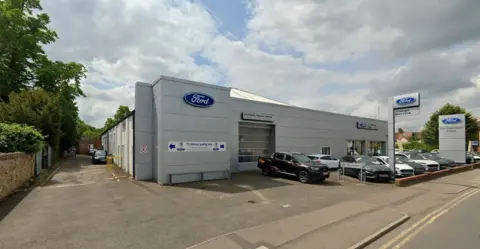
(364, 51)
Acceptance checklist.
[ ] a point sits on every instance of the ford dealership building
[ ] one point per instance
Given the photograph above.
(185, 131)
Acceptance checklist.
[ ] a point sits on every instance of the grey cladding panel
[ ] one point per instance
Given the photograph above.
(179, 89)
(174, 122)
(192, 158)
(177, 105)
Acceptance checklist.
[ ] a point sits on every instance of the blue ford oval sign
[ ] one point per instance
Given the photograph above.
(406, 101)
(451, 121)
(198, 99)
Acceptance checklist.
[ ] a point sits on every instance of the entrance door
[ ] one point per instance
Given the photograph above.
(254, 140)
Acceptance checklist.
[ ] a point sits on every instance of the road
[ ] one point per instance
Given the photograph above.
(457, 227)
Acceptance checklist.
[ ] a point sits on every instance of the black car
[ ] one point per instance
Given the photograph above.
(418, 169)
(293, 164)
(99, 156)
(445, 163)
(370, 167)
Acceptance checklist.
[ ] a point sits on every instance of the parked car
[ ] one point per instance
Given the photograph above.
(417, 167)
(476, 156)
(371, 167)
(401, 169)
(444, 162)
(99, 156)
(419, 158)
(294, 164)
(332, 162)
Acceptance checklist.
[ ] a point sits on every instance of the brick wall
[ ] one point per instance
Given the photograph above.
(15, 169)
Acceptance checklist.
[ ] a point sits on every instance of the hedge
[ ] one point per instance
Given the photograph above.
(20, 138)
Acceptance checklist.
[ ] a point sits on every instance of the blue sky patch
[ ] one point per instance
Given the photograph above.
(232, 15)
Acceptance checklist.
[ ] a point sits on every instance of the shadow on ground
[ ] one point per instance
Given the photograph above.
(239, 183)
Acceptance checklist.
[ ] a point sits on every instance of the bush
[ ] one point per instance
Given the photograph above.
(20, 138)
(417, 146)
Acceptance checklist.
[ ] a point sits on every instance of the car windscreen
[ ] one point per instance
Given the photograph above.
(418, 157)
(100, 153)
(368, 160)
(301, 158)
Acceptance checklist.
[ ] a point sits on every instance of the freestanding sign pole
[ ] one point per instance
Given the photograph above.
(402, 105)
(391, 134)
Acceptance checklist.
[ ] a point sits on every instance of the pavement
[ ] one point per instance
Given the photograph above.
(85, 206)
(458, 228)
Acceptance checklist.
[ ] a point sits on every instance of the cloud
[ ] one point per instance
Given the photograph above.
(345, 56)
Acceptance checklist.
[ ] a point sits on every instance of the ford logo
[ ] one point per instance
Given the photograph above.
(362, 125)
(198, 99)
(406, 101)
(451, 121)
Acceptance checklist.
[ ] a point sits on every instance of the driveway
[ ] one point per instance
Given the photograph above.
(83, 206)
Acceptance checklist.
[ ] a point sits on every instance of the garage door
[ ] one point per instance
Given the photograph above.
(254, 140)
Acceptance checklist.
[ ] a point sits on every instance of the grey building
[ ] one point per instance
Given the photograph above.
(190, 131)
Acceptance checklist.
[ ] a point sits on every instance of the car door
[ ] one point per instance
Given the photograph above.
(334, 161)
(290, 165)
(278, 161)
(347, 164)
(327, 160)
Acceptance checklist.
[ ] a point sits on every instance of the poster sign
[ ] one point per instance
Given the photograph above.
(143, 149)
(406, 101)
(451, 134)
(412, 111)
(475, 142)
(366, 126)
(188, 146)
(257, 116)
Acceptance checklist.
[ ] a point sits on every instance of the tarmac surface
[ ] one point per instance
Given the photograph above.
(84, 206)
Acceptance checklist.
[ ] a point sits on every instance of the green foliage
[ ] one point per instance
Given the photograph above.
(430, 131)
(24, 66)
(417, 145)
(121, 113)
(87, 131)
(16, 137)
(36, 108)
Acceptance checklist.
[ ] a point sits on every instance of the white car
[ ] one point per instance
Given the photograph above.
(432, 165)
(331, 161)
(401, 170)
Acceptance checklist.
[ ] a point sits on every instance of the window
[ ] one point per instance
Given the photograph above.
(326, 158)
(255, 140)
(279, 156)
(348, 159)
(313, 157)
(288, 158)
(326, 150)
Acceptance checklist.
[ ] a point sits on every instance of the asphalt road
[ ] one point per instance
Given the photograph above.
(458, 228)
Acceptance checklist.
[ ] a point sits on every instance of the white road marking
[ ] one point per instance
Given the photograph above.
(262, 247)
(255, 192)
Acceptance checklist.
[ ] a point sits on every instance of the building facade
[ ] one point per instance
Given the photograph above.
(188, 131)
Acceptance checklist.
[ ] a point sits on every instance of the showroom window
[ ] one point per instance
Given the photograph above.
(377, 148)
(254, 140)
(326, 150)
(355, 147)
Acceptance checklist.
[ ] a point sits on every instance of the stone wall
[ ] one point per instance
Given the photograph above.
(15, 170)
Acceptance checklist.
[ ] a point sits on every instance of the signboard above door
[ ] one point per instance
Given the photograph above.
(257, 116)
(366, 126)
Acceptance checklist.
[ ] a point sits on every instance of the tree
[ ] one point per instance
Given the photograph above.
(24, 66)
(87, 131)
(36, 108)
(122, 112)
(430, 131)
(23, 62)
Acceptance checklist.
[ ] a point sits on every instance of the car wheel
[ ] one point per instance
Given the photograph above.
(304, 177)
(266, 171)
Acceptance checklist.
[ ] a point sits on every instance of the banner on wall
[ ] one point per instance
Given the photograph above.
(188, 146)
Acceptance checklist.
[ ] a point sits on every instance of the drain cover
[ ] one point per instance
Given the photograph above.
(250, 201)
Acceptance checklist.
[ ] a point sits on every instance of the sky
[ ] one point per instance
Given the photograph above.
(343, 56)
